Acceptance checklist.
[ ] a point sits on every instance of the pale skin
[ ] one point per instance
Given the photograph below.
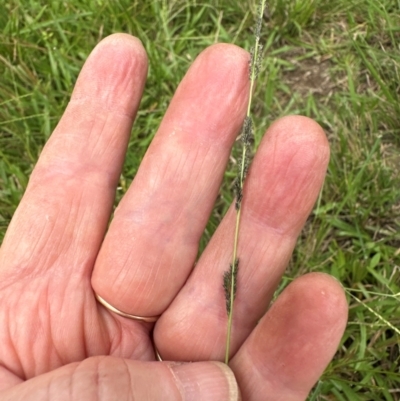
(58, 343)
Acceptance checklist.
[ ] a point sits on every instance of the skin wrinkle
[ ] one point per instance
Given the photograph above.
(79, 168)
(216, 135)
(56, 354)
(45, 325)
(247, 279)
(253, 218)
(152, 189)
(48, 396)
(194, 197)
(212, 135)
(178, 383)
(53, 335)
(143, 290)
(91, 327)
(299, 189)
(160, 265)
(71, 230)
(115, 339)
(121, 277)
(157, 181)
(98, 132)
(65, 240)
(85, 215)
(97, 381)
(162, 258)
(184, 214)
(71, 382)
(54, 247)
(125, 268)
(53, 242)
(274, 270)
(11, 345)
(262, 250)
(88, 332)
(79, 324)
(63, 310)
(34, 323)
(170, 277)
(18, 264)
(187, 165)
(215, 310)
(55, 223)
(81, 172)
(111, 141)
(130, 381)
(98, 108)
(28, 266)
(219, 339)
(139, 333)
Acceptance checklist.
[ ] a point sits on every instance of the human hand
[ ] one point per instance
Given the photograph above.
(59, 343)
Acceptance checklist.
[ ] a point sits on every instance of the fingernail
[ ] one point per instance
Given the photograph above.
(206, 381)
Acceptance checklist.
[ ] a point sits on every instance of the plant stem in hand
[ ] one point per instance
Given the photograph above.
(230, 276)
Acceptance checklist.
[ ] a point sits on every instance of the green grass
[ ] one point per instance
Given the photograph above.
(333, 60)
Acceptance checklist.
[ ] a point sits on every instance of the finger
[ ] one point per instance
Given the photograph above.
(8, 379)
(153, 239)
(62, 218)
(281, 188)
(294, 342)
(108, 378)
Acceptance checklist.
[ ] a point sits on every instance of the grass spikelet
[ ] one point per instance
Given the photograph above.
(230, 276)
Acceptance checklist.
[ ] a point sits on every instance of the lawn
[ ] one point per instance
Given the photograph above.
(336, 61)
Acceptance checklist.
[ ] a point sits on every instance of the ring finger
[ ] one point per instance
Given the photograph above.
(281, 188)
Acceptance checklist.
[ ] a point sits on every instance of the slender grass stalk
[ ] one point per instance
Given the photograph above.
(230, 276)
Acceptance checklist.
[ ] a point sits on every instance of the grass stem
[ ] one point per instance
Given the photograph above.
(247, 135)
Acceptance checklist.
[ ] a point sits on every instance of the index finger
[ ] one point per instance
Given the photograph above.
(61, 220)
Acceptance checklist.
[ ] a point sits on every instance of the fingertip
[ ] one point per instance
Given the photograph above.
(124, 38)
(295, 340)
(114, 74)
(321, 302)
(301, 130)
(225, 67)
(323, 290)
(290, 165)
(124, 43)
(226, 53)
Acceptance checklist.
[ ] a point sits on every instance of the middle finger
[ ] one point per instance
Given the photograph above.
(153, 239)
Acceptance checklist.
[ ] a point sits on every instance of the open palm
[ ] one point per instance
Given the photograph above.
(57, 340)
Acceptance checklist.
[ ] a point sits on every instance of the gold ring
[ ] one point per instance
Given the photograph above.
(149, 319)
(158, 356)
(156, 353)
